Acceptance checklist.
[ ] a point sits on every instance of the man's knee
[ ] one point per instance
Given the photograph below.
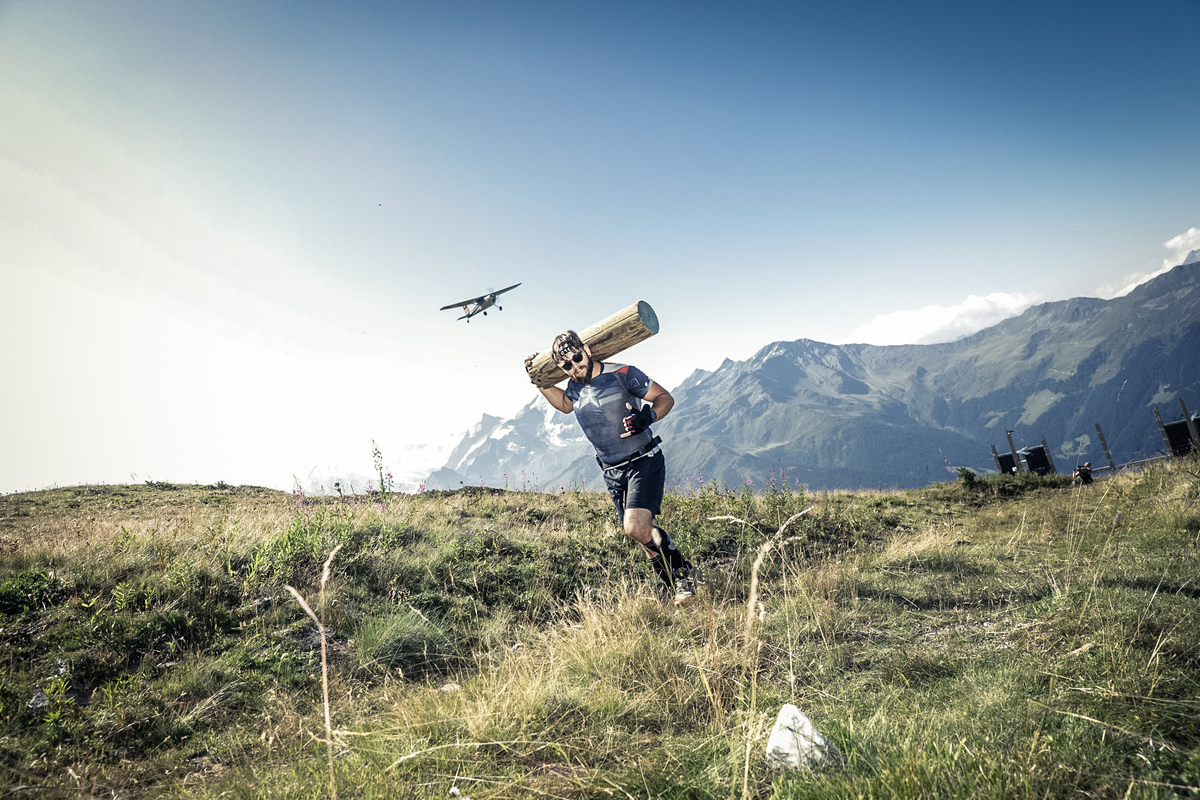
(640, 533)
(639, 526)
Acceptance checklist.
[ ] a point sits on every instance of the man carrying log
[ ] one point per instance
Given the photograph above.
(607, 400)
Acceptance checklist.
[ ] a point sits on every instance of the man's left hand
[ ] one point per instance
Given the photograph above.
(637, 421)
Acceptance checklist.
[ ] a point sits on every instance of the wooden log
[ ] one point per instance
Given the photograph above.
(606, 338)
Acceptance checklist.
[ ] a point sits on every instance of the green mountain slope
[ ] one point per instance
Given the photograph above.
(867, 416)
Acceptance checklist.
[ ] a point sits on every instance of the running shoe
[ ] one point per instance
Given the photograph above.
(685, 579)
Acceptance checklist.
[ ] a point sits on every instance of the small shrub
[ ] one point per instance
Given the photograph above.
(404, 642)
(30, 590)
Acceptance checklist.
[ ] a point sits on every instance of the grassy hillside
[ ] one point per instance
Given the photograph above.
(1011, 637)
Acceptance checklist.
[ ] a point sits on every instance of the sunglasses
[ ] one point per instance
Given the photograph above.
(575, 359)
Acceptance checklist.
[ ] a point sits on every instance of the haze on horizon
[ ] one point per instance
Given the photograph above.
(227, 228)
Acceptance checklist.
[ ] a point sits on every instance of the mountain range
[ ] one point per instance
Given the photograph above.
(858, 416)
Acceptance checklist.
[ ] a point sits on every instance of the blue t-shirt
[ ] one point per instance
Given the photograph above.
(600, 409)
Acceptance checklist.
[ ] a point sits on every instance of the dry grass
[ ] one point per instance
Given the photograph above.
(66, 522)
(511, 644)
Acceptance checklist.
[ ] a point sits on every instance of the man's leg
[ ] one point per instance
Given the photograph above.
(639, 526)
(668, 563)
(637, 492)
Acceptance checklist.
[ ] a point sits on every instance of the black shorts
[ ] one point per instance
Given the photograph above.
(638, 484)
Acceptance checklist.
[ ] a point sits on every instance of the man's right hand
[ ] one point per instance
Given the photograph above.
(637, 421)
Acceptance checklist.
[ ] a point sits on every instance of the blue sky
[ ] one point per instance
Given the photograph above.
(226, 227)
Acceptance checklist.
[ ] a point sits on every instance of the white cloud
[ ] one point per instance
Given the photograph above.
(933, 324)
(1108, 291)
(1180, 247)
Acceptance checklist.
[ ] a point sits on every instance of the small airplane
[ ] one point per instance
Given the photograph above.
(480, 304)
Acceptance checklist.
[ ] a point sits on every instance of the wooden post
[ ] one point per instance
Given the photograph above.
(1049, 456)
(996, 458)
(1111, 464)
(1163, 430)
(1191, 425)
(1017, 465)
(605, 339)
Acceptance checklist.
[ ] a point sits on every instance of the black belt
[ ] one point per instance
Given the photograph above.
(650, 448)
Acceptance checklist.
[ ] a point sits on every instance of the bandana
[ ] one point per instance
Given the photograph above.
(566, 344)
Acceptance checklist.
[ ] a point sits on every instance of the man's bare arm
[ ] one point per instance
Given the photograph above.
(554, 395)
(660, 400)
(557, 398)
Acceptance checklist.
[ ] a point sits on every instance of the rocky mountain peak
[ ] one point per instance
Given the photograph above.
(865, 416)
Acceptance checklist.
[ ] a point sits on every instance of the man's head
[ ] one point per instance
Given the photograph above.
(572, 356)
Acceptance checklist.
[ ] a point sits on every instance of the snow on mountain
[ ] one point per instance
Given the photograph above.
(867, 416)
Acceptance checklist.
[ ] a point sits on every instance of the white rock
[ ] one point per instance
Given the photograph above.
(795, 742)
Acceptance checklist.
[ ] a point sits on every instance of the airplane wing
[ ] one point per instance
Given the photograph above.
(478, 299)
(463, 303)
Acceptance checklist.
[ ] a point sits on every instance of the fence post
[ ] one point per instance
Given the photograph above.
(1017, 465)
(1191, 425)
(1163, 430)
(1104, 444)
(1049, 456)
